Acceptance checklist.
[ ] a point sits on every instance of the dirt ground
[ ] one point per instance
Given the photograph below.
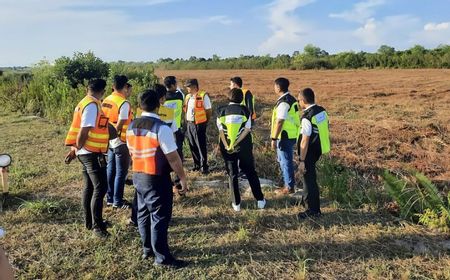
(396, 119)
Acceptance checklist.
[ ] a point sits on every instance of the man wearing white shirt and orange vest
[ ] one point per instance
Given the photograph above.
(198, 109)
(154, 155)
(117, 108)
(88, 137)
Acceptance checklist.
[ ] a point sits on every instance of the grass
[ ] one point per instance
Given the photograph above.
(45, 237)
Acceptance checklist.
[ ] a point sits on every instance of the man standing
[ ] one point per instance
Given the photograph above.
(175, 101)
(284, 132)
(234, 124)
(154, 154)
(197, 106)
(248, 100)
(117, 108)
(313, 142)
(88, 137)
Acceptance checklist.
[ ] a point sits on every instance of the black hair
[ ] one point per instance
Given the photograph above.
(308, 95)
(149, 100)
(237, 81)
(160, 90)
(235, 95)
(169, 81)
(96, 85)
(120, 81)
(283, 83)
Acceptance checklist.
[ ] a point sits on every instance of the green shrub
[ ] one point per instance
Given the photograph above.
(418, 199)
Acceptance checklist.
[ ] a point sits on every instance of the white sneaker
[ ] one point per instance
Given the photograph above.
(261, 204)
(236, 208)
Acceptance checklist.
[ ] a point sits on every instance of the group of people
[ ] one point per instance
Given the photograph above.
(151, 141)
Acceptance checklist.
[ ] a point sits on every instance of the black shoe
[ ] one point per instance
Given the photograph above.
(308, 214)
(101, 233)
(175, 264)
(195, 168)
(123, 206)
(205, 171)
(146, 256)
(106, 224)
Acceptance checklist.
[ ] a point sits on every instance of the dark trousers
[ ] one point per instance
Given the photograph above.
(245, 161)
(311, 195)
(95, 185)
(154, 200)
(196, 134)
(117, 170)
(179, 138)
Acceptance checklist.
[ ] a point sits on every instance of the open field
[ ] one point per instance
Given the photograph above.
(381, 119)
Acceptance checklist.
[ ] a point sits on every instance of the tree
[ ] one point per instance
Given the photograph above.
(80, 68)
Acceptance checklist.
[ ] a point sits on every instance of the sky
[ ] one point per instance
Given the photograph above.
(145, 30)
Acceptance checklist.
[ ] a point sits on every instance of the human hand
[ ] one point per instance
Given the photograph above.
(184, 186)
(301, 168)
(274, 144)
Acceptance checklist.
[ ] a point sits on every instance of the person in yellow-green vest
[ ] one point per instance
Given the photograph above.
(314, 141)
(284, 132)
(234, 124)
(88, 138)
(198, 109)
(118, 109)
(248, 100)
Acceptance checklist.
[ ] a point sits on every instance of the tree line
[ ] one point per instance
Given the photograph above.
(313, 57)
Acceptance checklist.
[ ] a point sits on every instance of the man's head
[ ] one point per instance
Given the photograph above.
(149, 101)
(161, 91)
(96, 88)
(120, 84)
(192, 86)
(235, 82)
(306, 97)
(235, 95)
(171, 83)
(281, 85)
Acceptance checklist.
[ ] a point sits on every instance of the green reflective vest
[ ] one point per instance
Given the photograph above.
(250, 107)
(320, 137)
(233, 119)
(175, 101)
(291, 125)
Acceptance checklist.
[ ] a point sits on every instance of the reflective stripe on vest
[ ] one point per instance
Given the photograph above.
(199, 108)
(111, 107)
(244, 102)
(98, 137)
(233, 125)
(177, 106)
(291, 124)
(145, 150)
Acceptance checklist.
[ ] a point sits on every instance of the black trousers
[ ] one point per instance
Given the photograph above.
(311, 188)
(154, 201)
(179, 138)
(196, 134)
(95, 187)
(245, 161)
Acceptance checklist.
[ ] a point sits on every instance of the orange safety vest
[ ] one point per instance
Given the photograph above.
(98, 136)
(111, 107)
(145, 150)
(199, 108)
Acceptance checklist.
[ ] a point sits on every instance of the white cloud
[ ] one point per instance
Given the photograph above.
(287, 29)
(50, 28)
(392, 30)
(361, 11)
(436, 26)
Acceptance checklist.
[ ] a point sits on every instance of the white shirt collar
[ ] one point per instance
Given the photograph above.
(284, 94)
(307, 108)
(152, 115)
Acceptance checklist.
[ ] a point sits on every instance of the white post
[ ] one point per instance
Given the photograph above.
(4, 173)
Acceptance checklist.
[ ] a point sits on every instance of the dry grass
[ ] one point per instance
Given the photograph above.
(46, 239)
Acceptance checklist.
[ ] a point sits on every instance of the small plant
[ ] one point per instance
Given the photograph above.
(418, 199)
(41, 207)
